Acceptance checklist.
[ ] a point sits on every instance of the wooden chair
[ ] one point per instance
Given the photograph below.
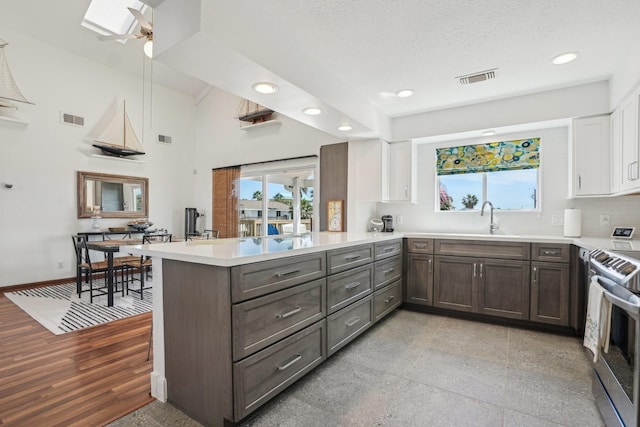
(92, 269)
(143, 264)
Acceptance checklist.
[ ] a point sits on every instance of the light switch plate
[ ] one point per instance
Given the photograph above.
(557, 220)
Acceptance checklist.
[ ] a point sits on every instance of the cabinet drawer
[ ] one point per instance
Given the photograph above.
(481, 248)
(349, 286)
(388, 249)
(554, 252)
(420, 246)
(260, 377)
(343, 259)
(385, 300)
(348, 323)
(260, 278)
(261, 322)
(387, 271)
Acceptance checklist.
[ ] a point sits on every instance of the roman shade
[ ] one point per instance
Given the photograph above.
(491, 157)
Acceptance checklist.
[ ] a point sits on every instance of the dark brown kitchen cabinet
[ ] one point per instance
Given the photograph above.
(454, 284)
(550, 292)
(419, 283)
(482, 285)
(503, 288)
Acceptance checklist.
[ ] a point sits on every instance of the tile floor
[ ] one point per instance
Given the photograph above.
(417, 369)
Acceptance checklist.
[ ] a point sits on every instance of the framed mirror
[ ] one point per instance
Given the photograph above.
(115, 196)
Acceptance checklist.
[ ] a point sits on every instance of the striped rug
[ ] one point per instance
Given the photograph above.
(59, 309)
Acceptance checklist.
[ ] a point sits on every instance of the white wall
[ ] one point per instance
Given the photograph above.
(38, 215)
(553, 190)
(221, 142)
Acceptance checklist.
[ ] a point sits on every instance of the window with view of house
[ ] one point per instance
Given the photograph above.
(276, 199)
(505, 173)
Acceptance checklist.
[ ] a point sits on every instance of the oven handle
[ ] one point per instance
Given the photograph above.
(619, 295)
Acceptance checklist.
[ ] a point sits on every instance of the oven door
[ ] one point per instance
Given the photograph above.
(617, 369)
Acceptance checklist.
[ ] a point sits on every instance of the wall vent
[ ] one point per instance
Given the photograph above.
(70, 119)
(478, 77)
(165, 139)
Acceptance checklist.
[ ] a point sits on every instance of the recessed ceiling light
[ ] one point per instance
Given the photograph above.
(565, 58)
(344, 128)
(404, 93)
(488, 133)
(265, 87)
(312, 111)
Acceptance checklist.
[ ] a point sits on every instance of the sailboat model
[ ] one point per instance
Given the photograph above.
(9, 90)
(119, 138)
(253, 112)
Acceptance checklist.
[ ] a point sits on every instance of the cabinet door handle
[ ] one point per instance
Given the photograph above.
(352, 257)
(474, 270)
(406, 191)
(481, 270)
(387, 250)
(289, 313)
(535, 275)
(390, 270)
(287, 273)
(352, 285)
(352, 322)
(579, 181)
(388, 300)
(430, 266)
(296, 358)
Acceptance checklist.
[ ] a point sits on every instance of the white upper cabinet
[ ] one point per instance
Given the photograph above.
(616, 152)
(590, 161)
(628, 122)
(399, 172)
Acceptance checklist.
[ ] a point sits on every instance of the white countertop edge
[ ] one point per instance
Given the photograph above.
(224, 252)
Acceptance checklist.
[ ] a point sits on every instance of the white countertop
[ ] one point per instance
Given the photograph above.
(238, 251)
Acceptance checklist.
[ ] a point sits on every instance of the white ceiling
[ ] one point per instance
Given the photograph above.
(350, 56)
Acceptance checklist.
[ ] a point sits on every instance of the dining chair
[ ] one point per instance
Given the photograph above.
(88, 270)
(211, 234)
(143, 264)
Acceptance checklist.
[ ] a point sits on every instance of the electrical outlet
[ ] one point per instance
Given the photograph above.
(60, 265)
(399, 219)
(605, 220)
(557, 220)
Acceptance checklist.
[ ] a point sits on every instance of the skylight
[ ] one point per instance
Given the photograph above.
(110, 17)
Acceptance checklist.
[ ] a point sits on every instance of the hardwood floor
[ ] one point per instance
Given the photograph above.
(84, 378)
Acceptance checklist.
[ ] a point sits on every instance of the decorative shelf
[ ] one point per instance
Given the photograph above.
(261, 124)
(121, 159)
(13, 120)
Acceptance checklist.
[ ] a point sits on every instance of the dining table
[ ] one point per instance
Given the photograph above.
(110, 247)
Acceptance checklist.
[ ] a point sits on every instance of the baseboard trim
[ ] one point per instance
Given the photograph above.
(14, 288)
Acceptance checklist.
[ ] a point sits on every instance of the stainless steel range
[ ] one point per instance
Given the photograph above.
(616, 382)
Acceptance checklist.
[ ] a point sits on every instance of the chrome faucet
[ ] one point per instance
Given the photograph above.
(492, 227)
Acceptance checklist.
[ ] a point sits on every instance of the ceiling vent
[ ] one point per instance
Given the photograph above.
(165, 139)
(70, 119)
(478, 77)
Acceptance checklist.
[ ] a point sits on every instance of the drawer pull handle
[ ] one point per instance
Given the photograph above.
(554, 253)
(388, 249)
(352, 257)
(391, 270)
(352, 285)
(388, 300)
(297, 358)
(289, 313)
(287, 273)
(421, 245)
(352, 322)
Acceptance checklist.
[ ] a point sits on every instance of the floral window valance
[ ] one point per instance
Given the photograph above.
(492, 157)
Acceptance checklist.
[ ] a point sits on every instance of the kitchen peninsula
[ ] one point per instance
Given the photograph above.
(236, 321)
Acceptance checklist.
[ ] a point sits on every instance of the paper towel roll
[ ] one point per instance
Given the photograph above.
(572, 222)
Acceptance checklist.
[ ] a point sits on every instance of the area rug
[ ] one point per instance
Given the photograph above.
(59, 309)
